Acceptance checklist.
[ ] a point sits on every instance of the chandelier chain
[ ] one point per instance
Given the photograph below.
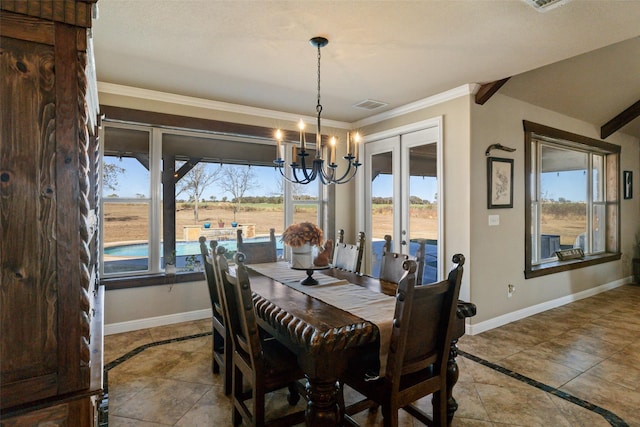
(319, 106)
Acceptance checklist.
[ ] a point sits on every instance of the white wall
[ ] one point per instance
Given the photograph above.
(149, 306)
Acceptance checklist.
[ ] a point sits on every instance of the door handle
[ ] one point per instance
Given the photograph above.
(403, 243)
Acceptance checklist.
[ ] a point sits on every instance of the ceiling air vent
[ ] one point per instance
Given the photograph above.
(369, 104)
(544, 5)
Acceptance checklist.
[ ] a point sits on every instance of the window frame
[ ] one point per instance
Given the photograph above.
(611, 153)
(158, 124)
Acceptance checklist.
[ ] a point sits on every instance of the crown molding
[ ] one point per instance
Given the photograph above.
(464, 90)
(153, 95)
(190, 101)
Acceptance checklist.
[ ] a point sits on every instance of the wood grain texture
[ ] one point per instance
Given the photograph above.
(73, 12)
(28, 218)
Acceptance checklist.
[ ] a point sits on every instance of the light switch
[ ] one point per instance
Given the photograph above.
(494, 219)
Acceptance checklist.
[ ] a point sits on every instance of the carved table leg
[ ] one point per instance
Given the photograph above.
(322, 403)
(452, 379)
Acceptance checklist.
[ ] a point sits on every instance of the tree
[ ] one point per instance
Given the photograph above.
(196, 181)
(237, 180)
(110, 173)
(298, 191)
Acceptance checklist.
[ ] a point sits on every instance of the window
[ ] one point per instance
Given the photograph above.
(126, 201)
(163, 188)
(572, 193)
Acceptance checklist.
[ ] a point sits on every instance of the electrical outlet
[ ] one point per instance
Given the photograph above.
(510, 290)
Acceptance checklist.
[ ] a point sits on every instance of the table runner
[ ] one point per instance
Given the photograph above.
(374, 307)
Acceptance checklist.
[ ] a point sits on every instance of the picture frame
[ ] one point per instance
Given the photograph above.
(627, 185)
(499, 183)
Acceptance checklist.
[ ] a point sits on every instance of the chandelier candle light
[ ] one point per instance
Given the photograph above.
(299, 154)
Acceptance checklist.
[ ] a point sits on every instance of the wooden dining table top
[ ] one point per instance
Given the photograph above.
(309, 323)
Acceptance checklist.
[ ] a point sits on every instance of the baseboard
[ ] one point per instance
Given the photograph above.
(151, 322)
(476, 328)
(471, 329)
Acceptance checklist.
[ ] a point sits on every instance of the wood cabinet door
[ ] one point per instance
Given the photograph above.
(45, 254)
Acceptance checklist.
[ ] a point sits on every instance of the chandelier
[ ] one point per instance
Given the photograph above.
(305, 171)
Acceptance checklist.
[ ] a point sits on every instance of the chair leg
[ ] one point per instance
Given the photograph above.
(228, 366)
(293, 397)
(389, 416)
(236, 394)
(258, 404)
(439, 409)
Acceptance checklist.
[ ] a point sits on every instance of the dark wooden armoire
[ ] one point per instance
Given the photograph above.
(51, 316)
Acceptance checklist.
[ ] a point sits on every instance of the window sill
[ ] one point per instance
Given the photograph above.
(128, 282)
(573, 264)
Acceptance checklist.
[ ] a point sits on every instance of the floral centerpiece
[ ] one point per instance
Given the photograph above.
(297, 235)
(302, 238)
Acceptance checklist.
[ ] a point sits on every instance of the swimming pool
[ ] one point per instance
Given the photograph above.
(182, 248)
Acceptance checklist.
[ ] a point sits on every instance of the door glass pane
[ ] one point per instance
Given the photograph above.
(563, 192)
(423, 206)
(382, 206)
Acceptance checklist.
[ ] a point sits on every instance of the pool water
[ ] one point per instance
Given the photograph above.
(182, 248)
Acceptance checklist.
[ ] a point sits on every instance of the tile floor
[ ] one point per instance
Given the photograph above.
(576, 365)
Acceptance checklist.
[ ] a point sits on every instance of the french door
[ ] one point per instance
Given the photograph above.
(403, 196)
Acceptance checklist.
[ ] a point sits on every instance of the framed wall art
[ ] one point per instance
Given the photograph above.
(627, 184)
(499, 183)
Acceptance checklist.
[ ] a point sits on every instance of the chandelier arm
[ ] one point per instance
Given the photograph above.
(295, 180)
(345, 177)
(303, 166)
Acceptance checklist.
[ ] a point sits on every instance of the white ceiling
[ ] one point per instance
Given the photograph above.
(256, 53)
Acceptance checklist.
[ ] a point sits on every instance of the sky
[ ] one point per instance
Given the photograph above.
(135, 180)
(569, 185)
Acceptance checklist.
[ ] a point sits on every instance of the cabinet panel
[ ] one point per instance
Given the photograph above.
(28, 294)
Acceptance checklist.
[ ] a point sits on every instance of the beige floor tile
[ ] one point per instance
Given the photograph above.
(163, 401)
(520, 407)
(589, 349)
(530, 364)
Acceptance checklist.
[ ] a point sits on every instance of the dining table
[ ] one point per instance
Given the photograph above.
(344, 316)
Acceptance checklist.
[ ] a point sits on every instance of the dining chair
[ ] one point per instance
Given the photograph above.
(262, 365)
(348, 257)
(258, 252)
(393, 270)
(423, 324)
(221, 346)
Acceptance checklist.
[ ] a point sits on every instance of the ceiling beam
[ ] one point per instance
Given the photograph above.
(487, 90)
(130, 115)
(620, 120)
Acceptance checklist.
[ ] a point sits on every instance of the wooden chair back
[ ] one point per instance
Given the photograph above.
(221, 344)
(207, 261)
(423, 325)
(391, 264)
(260, 366)
(258, 252)
(346, 256)
(244, 327)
